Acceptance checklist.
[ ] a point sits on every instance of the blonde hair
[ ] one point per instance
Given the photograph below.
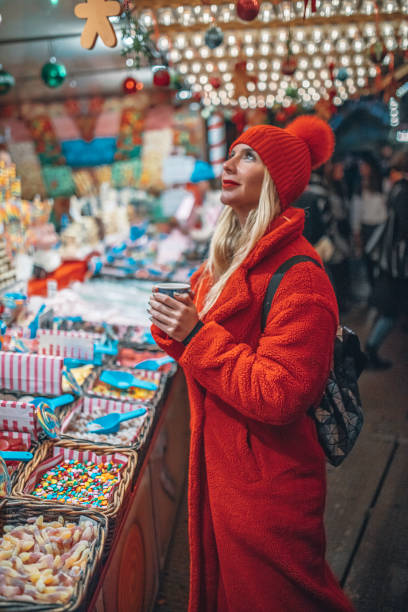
(231, 243)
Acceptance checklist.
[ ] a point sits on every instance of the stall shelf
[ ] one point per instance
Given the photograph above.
(129, 579)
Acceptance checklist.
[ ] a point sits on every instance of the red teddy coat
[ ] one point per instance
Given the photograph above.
(257, 472)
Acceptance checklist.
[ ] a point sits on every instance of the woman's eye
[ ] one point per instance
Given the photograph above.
(249, 155)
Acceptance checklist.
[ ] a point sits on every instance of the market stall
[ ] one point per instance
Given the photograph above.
(130, 477)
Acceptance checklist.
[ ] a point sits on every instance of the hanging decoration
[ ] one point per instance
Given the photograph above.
(7, 81)
(292, 92)
(197, 97)
(137, 40)
(214, 37)
(131, 86)
(325, 108)
(161, 76)
(377, 50)
(96, 13)
(312, 7)
(342, 75)
(215, 82)
(280, 116)
(247, 10)
(53, 74)
(241, 78)
(289, 64)
(239, 120)
(332, 91)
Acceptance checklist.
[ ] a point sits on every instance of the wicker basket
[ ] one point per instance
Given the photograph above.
(16, 512)
(117, 504)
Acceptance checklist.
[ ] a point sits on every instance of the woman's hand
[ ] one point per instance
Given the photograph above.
(177, 317)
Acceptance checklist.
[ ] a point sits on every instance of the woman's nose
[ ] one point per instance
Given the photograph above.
(228, 164)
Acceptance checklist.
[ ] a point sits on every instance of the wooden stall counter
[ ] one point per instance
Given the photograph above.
(129, 580)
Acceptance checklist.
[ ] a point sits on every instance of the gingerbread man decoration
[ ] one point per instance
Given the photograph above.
(240, 79)
(96, 13)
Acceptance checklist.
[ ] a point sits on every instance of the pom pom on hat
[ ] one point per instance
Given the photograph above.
(290, 154)
(318, 136)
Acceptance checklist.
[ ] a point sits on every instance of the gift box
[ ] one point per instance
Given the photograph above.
(38, 374)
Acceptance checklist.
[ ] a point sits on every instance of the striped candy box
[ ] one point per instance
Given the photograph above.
(74, 344)
(17, 419)
(38, 374)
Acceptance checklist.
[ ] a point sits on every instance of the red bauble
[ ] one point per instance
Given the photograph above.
(247, 9)
(239, 119)
(289, 65)
(280, 117)
(197, 96)
(332, 93)
(291, 110)
(130, 85)
(161, 78)
(215, 82)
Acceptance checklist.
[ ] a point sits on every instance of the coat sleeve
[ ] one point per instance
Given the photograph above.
(284, 376)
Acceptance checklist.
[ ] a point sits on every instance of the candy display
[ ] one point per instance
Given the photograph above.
(84, 484)
(87, 476)
(130, 433)
(135, 394)
(42, 562)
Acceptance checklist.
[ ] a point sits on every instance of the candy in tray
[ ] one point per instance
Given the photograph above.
(132, 433)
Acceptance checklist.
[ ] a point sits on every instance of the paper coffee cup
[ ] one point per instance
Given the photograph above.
(172, 288)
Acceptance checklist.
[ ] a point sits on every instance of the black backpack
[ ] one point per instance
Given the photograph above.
(339, 416)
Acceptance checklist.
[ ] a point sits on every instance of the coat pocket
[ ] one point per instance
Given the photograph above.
(249, 466)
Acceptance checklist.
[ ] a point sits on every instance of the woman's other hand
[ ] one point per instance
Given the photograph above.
(177, 317)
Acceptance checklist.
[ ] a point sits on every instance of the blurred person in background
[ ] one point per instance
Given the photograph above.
(368, 210)
(388, 248)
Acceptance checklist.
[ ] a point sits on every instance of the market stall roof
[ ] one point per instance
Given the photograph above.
(334, 44)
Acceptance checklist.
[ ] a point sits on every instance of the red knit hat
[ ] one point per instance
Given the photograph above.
(291, 153)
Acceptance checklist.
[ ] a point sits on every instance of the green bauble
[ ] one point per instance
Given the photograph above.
(6, 82)
(292, 92)
(53, 74)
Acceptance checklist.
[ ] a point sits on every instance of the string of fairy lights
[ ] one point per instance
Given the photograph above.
(340, 34)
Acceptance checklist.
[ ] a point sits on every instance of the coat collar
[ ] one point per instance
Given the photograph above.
(236, 295)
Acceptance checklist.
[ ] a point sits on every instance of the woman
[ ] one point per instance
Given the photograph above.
(257, 472)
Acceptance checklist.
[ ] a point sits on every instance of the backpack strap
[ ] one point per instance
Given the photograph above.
(275, 281)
